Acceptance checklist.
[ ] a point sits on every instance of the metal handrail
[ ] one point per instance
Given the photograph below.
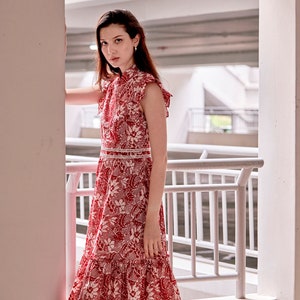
(221, 150)
(214, 163)
(184, 164)
(246, 165)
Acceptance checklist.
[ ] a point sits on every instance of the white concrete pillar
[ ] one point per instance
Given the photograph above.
(32, 208)
(279, 134)
(297, 150)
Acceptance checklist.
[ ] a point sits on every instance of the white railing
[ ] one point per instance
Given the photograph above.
(227, 198)
(188, 181)
(179, 148)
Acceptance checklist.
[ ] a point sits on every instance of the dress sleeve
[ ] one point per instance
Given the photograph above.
(150, 79)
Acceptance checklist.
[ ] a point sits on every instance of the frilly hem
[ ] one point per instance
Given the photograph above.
(143, 279)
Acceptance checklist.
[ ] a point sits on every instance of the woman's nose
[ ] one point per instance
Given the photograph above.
(111, 49)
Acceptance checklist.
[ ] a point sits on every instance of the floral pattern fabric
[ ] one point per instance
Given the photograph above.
(113, 265)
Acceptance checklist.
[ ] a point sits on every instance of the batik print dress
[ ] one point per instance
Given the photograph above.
(113, 266)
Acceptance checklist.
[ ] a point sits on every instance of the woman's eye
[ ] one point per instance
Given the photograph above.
(118, 41)
(103, 43)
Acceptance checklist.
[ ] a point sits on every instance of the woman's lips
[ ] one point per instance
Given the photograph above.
(114, 59)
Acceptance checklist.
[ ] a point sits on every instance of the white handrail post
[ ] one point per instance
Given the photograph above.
(71, 188)
(216, 233)
(193, 234)
(170, 226)
(241, 233)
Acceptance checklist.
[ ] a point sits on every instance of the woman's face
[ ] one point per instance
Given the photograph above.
(117, 46)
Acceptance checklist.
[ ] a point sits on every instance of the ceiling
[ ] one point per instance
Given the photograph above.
(220, 38)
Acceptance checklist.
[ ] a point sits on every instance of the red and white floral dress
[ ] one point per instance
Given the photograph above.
(113, 266)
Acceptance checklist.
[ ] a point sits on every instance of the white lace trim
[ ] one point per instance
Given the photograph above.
(122, 150)
(131, 153)
(125, 156)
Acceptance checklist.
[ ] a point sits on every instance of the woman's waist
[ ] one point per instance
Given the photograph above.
(125, 153)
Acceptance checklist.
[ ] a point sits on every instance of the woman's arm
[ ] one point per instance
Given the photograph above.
(154, 109)
(82, 96)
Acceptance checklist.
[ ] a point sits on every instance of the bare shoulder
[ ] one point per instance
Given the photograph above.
(153, 90)
(153, 94)
(153, 101)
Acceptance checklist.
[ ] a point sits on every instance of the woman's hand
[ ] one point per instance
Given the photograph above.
(152, 237)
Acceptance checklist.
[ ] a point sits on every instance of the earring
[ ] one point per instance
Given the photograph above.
(135, 48)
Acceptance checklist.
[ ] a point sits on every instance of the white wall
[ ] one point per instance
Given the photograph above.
(297, 136)
(186, 85)
(277, 136)
(187, 92)
(74, 113)
(32, 204)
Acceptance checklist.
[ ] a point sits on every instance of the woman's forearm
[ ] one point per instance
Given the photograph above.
(156, 189)
(82, 96)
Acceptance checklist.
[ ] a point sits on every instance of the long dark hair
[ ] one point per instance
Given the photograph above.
(142, 58)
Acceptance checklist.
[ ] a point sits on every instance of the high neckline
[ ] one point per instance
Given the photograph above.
(133, 67)
(128, 72)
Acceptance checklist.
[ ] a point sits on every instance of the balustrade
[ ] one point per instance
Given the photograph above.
(198, 197)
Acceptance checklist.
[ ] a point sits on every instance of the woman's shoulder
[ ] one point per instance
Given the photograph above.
(144, 81)
(144, 76)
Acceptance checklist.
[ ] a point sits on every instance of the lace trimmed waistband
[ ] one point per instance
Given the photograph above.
(125, 153)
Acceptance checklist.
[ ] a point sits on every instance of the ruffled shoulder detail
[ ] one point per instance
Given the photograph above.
(142, 80)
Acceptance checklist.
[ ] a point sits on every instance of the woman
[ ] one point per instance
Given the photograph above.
(125, 255)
